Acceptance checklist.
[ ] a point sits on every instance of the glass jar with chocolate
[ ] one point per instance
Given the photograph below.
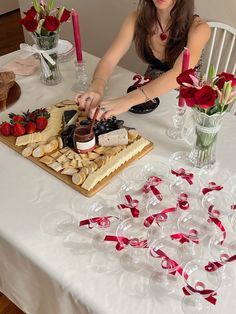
(84, 139)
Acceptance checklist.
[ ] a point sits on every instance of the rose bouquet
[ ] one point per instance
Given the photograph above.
(43, 19)
(209, 101)
(210, 96)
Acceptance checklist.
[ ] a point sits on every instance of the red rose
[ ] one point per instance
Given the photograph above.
(65, 16)
(205, 97)
(188, 94)
(51, 23)
(31, 12)
(29, 23)
(225, 77)
(185, 78)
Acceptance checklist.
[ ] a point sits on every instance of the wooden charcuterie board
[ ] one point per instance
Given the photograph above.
(10, 142)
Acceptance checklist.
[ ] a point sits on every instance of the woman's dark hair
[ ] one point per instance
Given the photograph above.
(182, 15)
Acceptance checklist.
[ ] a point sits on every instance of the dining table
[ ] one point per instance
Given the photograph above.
(48, 270)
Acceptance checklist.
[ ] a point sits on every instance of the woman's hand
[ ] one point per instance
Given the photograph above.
(110, 108)
(88, 101)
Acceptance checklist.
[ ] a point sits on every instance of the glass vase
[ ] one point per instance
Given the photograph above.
(207, 127)
(48, 44)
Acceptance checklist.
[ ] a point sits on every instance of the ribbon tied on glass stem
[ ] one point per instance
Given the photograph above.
(158, 217)
(224, 259)
(132, 204)
(102, 222)
(122, 242)
(167, 262)
(186, 238)
(181, 172)
(214, 215)
(200, 288)
(212, 186)
(151, 184)
(182, 201)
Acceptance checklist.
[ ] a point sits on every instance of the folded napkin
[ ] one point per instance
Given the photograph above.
(20, 66)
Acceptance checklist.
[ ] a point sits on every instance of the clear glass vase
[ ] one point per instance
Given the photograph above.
(47, 43)
(207, 127)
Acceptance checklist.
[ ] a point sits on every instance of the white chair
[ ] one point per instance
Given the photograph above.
(221, 50)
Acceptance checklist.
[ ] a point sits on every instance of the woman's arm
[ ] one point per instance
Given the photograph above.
(198, 36)
(106, 65)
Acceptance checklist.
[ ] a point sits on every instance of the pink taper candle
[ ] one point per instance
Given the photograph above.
(185, 66)
(76, 29)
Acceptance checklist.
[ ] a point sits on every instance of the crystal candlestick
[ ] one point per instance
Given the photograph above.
(177, 131)
(82, 79)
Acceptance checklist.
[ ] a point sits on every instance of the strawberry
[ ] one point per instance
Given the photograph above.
(18, 129)
(13, 130)
(16, 117)
(41, 123)
(6, 128)
(30, 127)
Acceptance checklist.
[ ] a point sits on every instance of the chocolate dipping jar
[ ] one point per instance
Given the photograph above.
(84, 140)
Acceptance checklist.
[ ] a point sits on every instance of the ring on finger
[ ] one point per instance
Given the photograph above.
(103, 109)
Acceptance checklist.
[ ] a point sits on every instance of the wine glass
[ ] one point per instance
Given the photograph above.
(198, 287)
(192, 230)
(185, 180)
(132, 240)
(163, 258)
(220, 253)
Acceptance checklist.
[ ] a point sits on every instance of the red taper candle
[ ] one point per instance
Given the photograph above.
(185, 66)
(76, 30)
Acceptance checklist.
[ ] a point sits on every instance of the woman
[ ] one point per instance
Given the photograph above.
(160, 30)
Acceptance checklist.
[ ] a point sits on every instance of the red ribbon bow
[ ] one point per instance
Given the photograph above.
(212, 266)
(159, 217)
(181, 172)
(182, 201)
(211, 187)
(182, 237)
(150, 185)
(213, 214)
(208, 294)
(122, 242)
(233, 207)
(167, 263)
(132, 205)
(103, 222)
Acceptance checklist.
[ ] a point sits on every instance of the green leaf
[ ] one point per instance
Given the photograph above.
(39, 28)
(212, 73)
(50, 4)
(36, 6)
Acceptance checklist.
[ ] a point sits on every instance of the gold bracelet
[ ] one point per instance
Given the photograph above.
(146, 96)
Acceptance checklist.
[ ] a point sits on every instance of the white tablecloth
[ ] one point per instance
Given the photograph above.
(46, 274)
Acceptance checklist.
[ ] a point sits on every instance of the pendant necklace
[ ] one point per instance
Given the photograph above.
(163, 34)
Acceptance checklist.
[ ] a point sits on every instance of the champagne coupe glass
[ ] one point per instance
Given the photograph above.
(162, 256)
(161, 216)
(216, 176)
(132, 240)
(145, 171)
(192, 230)
(185, 181)
(198, 290)
(104, 217)
(132, 199)
(58, 223)
(218, 205)
(220, 253)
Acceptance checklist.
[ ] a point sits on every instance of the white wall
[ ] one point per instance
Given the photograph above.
(8, 5)
(100, 21)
